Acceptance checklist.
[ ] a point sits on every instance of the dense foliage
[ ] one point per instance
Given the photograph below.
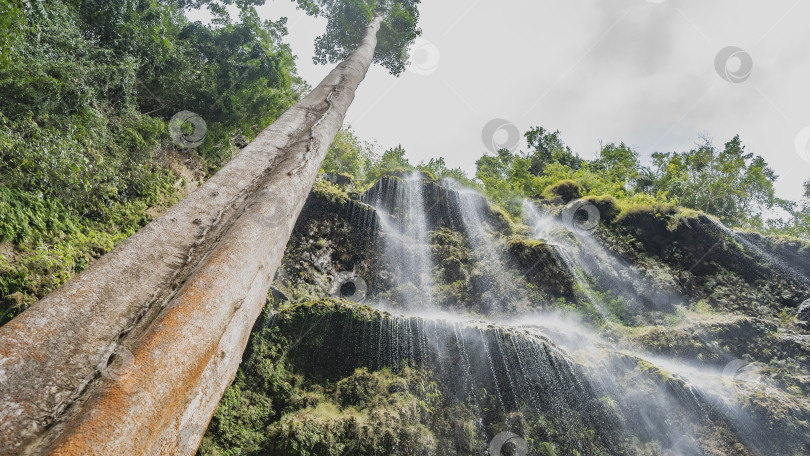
(357, 159)
(287, 400)
(347, 25)
(87, 88)
(272, 410)
(729, 183)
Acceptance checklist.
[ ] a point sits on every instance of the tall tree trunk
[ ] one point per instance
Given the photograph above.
(175, 303)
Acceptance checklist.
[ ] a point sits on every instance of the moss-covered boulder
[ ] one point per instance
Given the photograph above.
(563, 192)
(540, 263)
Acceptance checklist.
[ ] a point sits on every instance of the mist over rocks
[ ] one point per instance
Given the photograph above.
(650, 344)
(804, 313)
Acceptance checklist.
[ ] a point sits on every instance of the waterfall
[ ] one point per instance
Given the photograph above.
(405, 231)
(596, 269)
(473, 208)
(795, 270)
(400, 205)
(546, 367)
(537, 364)
(496, 370)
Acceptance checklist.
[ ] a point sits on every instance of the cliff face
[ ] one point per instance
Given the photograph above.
(415, 318)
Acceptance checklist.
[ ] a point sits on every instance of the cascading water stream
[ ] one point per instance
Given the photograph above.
(400, 205)
(501, 369)
(595, 267)
(403, 221)
(496, 369)
(543, 226)
(687, 394)
(785, 266)
(472, 208)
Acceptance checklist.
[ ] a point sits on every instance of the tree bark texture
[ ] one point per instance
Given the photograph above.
(133, 355)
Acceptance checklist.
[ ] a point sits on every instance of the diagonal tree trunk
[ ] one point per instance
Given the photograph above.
(174, 303)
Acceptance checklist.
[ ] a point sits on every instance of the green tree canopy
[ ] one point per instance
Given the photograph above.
(392, 161)
(618, 160)
(347, 24)
(438, 168)
(506, 177)
(800, 225)
(547, 148)
(734, 185)
(349, 155)
(730, 183)
(88, 84)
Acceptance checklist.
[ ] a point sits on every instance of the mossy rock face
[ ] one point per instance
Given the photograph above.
(333, 377)
(453, 256)
(689, 245)
(794, 253)
(608, 207)
(541, 265)
(343, 181)
(717, 343)
(333, 234)
(803, 314)
(563, 192)
(730, 271)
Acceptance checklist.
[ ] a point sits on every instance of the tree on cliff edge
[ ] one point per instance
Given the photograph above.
(171, 308)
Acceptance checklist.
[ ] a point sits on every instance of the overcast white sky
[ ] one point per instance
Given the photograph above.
(638, 71)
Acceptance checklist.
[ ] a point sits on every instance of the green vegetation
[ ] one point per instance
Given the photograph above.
(45, 243)
(799, 224)
(729, 183)
(357, 159)
(307, 386)
(347, 24)
(275, 406)
(87, 88)
(349, 155)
